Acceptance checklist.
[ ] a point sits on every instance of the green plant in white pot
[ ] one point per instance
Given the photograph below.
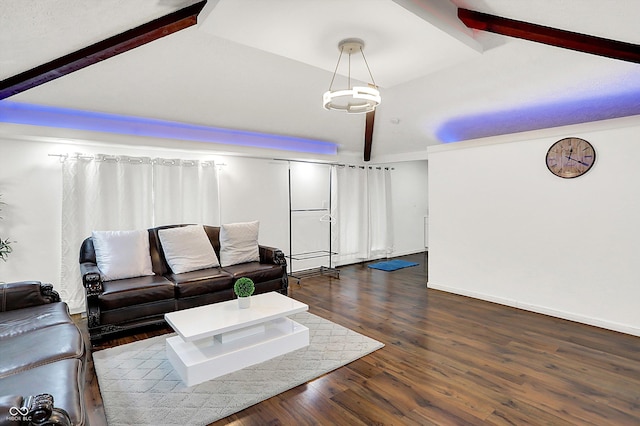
(244, 288)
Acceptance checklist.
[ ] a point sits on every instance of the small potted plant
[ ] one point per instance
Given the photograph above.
(244, 288)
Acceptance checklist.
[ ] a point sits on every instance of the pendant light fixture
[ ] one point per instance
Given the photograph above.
(354, 99)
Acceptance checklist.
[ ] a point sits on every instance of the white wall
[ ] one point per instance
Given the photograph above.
(256, 189)
(31, 187)
(409, 183)
(250, 189)
(504, 229)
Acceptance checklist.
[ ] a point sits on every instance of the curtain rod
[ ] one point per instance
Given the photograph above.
(136, 159)
(90, 156)
(335, 164)
(351, 166)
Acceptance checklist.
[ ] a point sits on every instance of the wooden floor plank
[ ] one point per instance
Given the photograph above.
(447, 360)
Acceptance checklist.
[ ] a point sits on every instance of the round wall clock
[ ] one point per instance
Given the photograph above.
(570, 157)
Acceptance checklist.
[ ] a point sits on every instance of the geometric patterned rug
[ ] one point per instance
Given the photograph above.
(139, 386)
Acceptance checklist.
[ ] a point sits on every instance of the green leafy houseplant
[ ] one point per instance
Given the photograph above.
(5, 244)
(244, 287)
(5, 248)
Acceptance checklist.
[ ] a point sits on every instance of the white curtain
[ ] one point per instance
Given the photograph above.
(185, 192)
(380, 220)
(124, 193)
(361, 204)
(350, 213)
(99, 193)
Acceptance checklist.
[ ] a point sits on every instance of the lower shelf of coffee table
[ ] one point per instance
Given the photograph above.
(206, 359)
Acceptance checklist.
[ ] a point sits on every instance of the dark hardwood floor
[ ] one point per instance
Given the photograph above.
(447, 360)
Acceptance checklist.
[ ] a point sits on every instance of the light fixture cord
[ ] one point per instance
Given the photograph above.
(336, 70)
(349, 72)
(368, 69)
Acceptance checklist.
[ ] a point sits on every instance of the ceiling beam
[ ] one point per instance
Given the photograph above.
(552, 36)
(102, 50)
(368, 134)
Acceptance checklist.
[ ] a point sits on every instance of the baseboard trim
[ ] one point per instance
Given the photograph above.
(608, 325)
(407, 253)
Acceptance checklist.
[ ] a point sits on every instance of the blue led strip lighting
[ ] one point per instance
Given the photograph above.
(541, 116)
(65, 118)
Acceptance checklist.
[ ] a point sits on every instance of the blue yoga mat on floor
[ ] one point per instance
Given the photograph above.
(391, 265)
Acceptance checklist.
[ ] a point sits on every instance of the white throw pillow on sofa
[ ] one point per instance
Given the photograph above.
(122, 254)
(239, 243)
(187, 248)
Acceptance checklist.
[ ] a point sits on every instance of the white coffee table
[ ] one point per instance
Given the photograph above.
(220, 338)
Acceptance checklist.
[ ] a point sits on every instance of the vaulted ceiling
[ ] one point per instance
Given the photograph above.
(263, 65)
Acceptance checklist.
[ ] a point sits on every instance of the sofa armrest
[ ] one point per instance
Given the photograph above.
(92, 282)
(33, 410)
(272, 255)
(24, 294)
(91, 278)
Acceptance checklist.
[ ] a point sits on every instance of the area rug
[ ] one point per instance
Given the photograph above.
(392, 265)
(139, 386)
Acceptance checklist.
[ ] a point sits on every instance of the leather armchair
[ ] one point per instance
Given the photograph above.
(41, 350)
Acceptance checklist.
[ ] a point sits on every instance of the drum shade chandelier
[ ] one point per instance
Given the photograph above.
(354, 99)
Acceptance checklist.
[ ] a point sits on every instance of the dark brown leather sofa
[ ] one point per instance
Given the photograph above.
(119, 305)
(42, 358)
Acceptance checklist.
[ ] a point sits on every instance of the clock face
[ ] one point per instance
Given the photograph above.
(570, 157)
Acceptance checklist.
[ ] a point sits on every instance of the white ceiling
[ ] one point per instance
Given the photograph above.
(310, 31)
(263, 66)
